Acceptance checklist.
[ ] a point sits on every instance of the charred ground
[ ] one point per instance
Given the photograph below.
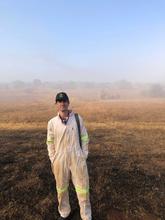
(126, 162)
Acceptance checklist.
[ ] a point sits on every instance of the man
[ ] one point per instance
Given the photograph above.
(68, 158)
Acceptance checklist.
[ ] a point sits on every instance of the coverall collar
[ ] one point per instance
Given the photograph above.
(65, 121)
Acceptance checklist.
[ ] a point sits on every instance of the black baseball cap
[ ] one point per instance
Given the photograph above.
(62, 96)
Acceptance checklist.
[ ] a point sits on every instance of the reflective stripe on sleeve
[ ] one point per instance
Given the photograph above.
(50, 142)
(84, 138)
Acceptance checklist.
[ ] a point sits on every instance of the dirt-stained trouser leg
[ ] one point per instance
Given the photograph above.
(80, 180)
(62, 176)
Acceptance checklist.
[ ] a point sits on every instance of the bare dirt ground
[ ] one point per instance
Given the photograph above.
(126, 161)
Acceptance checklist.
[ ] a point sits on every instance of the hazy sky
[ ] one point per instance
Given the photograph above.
(86, 40)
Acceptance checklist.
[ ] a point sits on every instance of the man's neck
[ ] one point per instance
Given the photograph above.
(64, 114)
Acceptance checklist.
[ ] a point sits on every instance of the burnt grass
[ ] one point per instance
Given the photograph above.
(27, 186)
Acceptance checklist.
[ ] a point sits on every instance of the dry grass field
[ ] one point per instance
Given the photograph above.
(126, 161)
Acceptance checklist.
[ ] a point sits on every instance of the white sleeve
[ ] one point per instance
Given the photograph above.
(50, 141)
(84, 137)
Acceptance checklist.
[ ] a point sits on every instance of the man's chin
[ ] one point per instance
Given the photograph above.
(64, 110)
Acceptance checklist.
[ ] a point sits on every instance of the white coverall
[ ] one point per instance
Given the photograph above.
(68, 159)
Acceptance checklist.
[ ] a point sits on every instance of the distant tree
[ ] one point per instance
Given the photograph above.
(18, 84)
(4, 86)
(37, 82)
(106, 94)
(123, 84)
(71, 85)
(156, 90)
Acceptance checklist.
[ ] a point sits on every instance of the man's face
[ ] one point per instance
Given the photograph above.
(62, 106)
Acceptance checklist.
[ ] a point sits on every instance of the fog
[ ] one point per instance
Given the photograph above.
(37, 90)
